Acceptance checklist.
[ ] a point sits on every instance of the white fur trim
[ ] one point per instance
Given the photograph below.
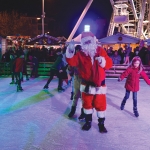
(88, 111)
(94, 90)
(101, 114)
(103, 62)
(68, 53)
(92, 60)
(87, 38)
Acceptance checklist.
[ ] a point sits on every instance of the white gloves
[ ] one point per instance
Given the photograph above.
(70, 50)
(101, 60)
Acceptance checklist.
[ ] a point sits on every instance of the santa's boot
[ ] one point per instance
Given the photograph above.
(72, 112)
(102, 128)
(135, 111)
(122, 104)
(82, 116)
(71, 98)
(88, 119)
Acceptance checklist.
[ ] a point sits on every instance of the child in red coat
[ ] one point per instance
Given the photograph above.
(133, 73)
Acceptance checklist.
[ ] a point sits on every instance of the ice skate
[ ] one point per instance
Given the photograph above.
(135, 111)
(19, 88)
(72, 112)
(82, 115)
(101, 126)
(88, 119)
(45, 87)
(60, 89)
(13, 82)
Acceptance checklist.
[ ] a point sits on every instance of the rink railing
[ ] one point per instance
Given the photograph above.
(44, 68)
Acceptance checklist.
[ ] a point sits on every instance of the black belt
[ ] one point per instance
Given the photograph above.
(88, 84)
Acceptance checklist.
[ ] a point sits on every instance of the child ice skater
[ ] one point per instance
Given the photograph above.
(133, 73)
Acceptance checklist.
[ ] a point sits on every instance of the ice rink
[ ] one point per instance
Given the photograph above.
(36, 119)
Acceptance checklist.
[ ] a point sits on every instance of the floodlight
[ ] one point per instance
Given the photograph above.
(86, 28)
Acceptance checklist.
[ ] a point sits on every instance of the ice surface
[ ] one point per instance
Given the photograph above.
(36, 119)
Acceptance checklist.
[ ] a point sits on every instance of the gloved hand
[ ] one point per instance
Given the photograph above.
(71, 47)
(99, 59)
(70, 51)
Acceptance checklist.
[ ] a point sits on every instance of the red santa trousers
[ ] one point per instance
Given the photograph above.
(95, 100)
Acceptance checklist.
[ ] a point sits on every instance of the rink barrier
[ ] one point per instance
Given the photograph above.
(44, 68)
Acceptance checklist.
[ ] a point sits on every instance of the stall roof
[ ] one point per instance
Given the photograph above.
(43, 40)
(119, 38)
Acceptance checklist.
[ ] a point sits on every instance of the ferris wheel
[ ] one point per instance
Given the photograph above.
(131, 17)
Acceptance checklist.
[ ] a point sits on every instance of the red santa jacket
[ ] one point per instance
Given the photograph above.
(132, 82)
(19, 64)
(91, 72)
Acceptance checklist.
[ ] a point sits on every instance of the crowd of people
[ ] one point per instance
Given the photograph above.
(42, 54)
(126, 54)
(85, 66)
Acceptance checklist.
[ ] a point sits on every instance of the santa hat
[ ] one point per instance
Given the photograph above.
(86, 36)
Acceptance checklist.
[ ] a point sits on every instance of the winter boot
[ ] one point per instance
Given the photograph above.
(135, 111)
(102, 128)
(122, 105)
(82, 116)
(72, 112)
(88, 119)
(71, 98)
(45, 87)
(60, 89)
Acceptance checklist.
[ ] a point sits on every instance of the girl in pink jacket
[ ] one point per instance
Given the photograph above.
(133, 73)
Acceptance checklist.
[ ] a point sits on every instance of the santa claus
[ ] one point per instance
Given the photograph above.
(91, 62)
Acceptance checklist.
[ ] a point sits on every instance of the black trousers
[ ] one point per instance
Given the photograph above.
(54, 72)
(13, 76)
(34, 70)
(19, 77)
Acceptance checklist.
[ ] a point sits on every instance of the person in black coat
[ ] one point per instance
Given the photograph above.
(12, 68)
(35, 64)
(56, 69)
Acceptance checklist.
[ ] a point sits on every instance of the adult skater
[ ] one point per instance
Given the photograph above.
(91, 62)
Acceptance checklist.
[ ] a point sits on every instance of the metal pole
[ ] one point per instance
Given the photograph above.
(134, 10)
(141, 18)
(79, 20)
(43, 16)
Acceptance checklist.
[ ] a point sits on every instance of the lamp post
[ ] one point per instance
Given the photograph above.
(43, 16)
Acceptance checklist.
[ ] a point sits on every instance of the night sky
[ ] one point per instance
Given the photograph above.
(65, 12)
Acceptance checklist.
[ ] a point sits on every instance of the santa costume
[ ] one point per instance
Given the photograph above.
(91, 62)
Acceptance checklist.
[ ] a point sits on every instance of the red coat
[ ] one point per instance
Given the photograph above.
(19, 64)
(88, 71)
(132, 82)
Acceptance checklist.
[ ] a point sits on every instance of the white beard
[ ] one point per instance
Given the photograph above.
(89, 49)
